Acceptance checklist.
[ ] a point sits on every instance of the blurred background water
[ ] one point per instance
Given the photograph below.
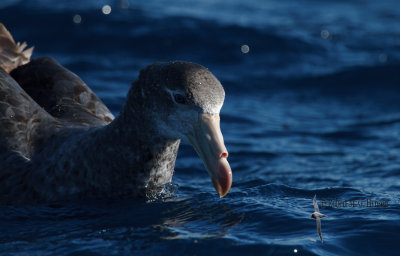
(312, 107)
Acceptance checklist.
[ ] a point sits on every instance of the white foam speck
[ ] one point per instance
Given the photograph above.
(77, 19)
(325, 34)
(106, 9)
(245, 48)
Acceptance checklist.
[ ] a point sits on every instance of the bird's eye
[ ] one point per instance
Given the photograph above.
(180, 99)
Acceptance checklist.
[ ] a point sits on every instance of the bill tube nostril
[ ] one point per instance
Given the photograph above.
(208, 142)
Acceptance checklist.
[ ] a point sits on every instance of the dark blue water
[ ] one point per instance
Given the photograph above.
(313, 107)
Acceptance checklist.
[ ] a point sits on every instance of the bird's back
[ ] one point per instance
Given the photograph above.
(23, 123)
(39, 97)
(61, 93)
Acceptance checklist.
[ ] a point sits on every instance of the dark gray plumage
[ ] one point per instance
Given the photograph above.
(64, 149)
(23, 122)
(61, 93)
(58, 141)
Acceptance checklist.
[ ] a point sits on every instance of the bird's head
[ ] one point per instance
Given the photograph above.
(184, 100)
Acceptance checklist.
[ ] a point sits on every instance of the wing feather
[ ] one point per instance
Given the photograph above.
(23, 123)
(318, 220)
(12, 54)
(315, 203)
(62, 93)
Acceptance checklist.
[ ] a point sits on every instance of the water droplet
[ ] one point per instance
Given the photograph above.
(383, 57)
(106, 9)
(245, 48)
(77, 19)
(325, 34)
(124, 4)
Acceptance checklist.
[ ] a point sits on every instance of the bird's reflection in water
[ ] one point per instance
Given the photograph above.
(191, 217)
(169, 217)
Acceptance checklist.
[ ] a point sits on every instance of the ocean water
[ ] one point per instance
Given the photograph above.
(312, 108)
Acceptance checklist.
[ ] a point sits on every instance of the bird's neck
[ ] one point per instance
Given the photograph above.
(144, 159)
